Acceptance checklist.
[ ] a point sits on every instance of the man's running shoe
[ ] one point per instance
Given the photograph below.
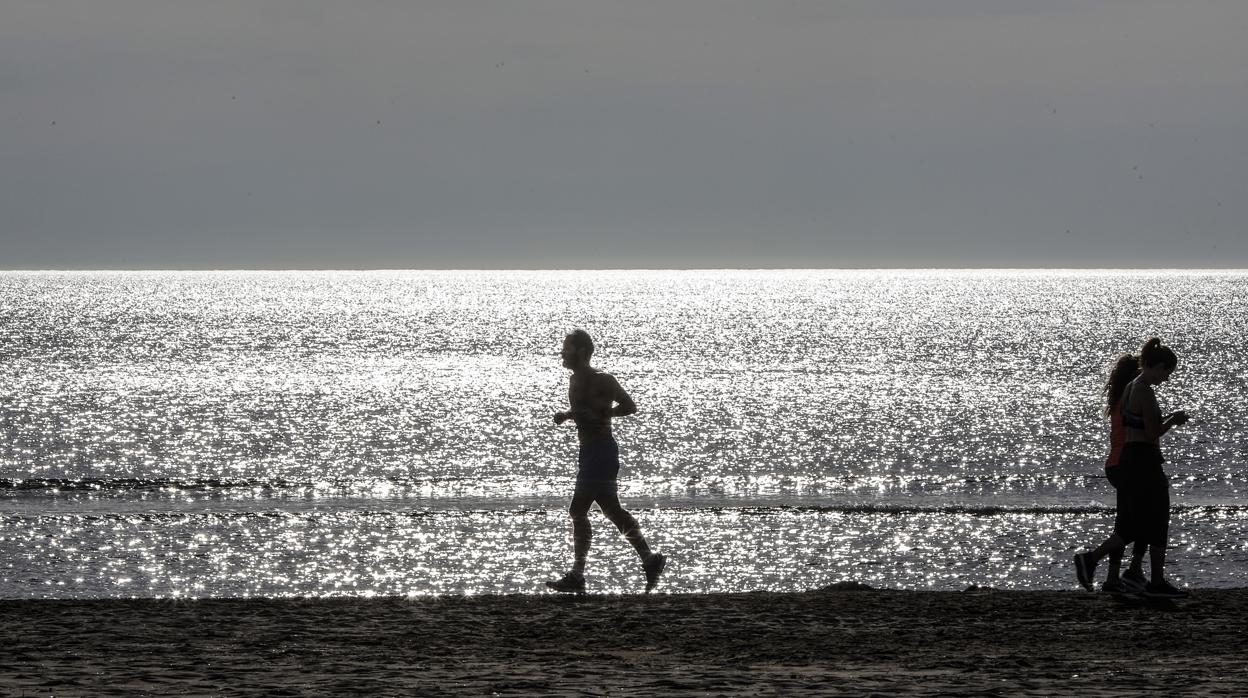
(1084, 569)
(1163, 590)
(1134, 581)
(1113, 586)
(572, 583)
(654, 567)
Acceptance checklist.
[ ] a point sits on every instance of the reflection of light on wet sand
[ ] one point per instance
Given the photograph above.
(349, 553)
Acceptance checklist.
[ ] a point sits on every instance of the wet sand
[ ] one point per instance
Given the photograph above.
(840, 642)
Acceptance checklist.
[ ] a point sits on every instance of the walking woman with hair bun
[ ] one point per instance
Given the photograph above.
(1125, 369)
(1144, 508)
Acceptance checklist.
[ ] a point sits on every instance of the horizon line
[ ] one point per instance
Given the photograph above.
(616, 269)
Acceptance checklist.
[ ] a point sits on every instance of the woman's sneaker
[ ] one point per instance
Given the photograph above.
(1113, 586)
(572, 583)
(1134, 582)
(1163, 590)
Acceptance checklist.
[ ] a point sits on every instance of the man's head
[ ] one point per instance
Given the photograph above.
(578, 348)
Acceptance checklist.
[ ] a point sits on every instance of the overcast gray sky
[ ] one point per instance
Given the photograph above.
(609, 133)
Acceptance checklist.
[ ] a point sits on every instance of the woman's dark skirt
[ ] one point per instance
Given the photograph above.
(1143, 495)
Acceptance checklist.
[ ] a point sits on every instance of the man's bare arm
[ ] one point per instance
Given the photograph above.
(624, 404)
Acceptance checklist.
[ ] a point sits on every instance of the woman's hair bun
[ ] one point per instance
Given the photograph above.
(1153, 353)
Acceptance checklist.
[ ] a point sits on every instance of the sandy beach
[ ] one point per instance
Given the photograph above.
(831, 642)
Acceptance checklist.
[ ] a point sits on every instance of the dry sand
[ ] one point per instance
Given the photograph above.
(883, 643)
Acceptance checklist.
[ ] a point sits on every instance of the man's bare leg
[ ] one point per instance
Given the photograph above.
(582, 533)
(652, 563)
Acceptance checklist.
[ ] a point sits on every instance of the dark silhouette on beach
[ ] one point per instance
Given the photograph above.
(1144, 494)
(595, 397)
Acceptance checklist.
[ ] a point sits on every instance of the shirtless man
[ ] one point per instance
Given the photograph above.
(595, 397)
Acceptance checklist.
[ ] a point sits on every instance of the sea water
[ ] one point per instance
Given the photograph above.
(205, 434)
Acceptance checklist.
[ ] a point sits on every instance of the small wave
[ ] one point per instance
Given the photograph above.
(1220, 511)
(966, 509)
(447, 488)
(37, 485)
(142, 484)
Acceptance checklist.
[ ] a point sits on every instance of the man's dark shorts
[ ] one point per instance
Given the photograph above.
(598, 465)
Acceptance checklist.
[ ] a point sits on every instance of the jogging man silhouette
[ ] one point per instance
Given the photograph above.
(595, 397)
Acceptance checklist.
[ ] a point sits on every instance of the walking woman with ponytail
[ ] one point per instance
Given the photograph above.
(1126, 368)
